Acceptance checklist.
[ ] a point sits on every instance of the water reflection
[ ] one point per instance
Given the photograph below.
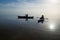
(52, 27)
(28, 29)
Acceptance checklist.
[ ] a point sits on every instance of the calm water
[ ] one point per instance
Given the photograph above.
(12, 28)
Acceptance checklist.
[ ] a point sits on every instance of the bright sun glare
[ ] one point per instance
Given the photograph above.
(53, 1)
(51, 26)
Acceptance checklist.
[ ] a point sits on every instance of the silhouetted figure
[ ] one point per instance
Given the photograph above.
(41, 19)
(25, 17)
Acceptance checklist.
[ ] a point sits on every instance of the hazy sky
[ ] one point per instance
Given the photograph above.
(48, 7)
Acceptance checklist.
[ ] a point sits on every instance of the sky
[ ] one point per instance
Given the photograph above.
(17, 4)
(48, 7)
